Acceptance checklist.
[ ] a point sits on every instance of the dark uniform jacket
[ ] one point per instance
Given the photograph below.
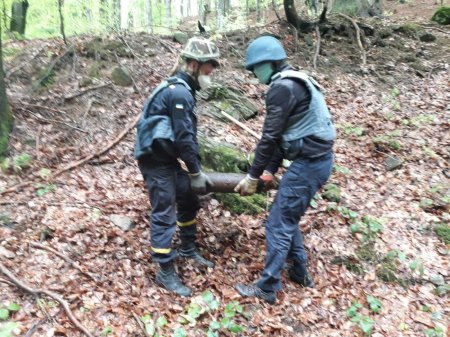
(285, 98)
(178, 103)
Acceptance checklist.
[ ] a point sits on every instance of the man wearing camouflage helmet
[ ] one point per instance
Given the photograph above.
(166, 132)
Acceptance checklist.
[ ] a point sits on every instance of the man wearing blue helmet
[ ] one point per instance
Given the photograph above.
(297, 127)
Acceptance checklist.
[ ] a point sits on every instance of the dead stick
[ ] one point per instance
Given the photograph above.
(316, 54)
(49, 293)
(38, 136)
(139, 322)
(50, 120)
(65, 258)
(358, 37)
(82, 92)
(81, 161)
(246, 128)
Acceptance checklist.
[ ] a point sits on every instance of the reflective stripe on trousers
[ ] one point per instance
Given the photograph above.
(173, 202)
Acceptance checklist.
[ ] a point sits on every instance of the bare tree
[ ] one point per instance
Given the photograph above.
(61, 19)
(169, 12)
(18, 16)
(6, 119)
(148, 15)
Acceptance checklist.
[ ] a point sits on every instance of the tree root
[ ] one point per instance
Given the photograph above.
(358, 37)
(65, 258)
(56, 297)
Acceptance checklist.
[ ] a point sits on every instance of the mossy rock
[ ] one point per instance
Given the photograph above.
(384, 33)
(427, 37)
(121, 76)
(332, 193)
(227, 99)
(443, 231)
(409, 29)
(222, 157)
(180, 37)
(254, 204)
(442, 16)
(106, 49)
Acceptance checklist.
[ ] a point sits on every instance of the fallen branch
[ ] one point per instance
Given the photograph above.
(316, 54)
(243, 126)
(82, 92)
(37, 292)
(358, 37)
(50, 120)
(79, 162)
(65, 258)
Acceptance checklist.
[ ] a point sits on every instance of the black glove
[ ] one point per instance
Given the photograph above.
(200, 182)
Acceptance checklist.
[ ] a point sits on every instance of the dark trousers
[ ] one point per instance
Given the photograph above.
(172, 202)
(283, 237)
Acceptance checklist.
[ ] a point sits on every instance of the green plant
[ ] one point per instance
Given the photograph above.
(43, 189)
(17, 163)
(107, 330)
(364, 322)
(6, 329)
(152, 328)
(443, 232)
(341, 169)
(417, 264)
(374, 304)
(207, 302)
(354, 130)
(436, 332)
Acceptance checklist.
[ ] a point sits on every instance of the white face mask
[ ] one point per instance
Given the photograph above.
(204, 81)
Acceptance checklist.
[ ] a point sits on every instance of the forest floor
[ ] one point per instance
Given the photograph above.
(376, 257)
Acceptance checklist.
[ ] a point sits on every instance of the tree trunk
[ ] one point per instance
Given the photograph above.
(294, 19)
(6, 119)
(169, 12)
(219, 14)
(18, 16)
(61, 19)
(258, 11)
(116, 15)
(148, 15)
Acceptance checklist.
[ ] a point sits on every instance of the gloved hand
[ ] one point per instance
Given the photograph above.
(247, 186)
(269, 180)
(200, 182)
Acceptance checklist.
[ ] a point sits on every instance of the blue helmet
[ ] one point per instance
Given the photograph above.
(264, 48)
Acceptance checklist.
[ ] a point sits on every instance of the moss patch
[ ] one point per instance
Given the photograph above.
(236, 204)
(332, 193)
(442, 16)
(443, 231)
(222, 157)
(5, 126)
(366, 252)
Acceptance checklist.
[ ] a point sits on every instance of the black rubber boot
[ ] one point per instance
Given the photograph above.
(189, 250)
(252, 290)
(168, 279)
(301, 276)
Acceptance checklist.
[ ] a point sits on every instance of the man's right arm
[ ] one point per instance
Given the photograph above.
(184, 132)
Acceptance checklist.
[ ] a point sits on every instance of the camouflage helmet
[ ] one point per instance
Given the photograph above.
(201, 50)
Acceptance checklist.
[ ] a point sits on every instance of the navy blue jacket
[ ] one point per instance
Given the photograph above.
(178, 103)
(282, 102)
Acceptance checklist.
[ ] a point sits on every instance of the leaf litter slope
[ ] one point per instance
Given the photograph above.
(411, 109)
